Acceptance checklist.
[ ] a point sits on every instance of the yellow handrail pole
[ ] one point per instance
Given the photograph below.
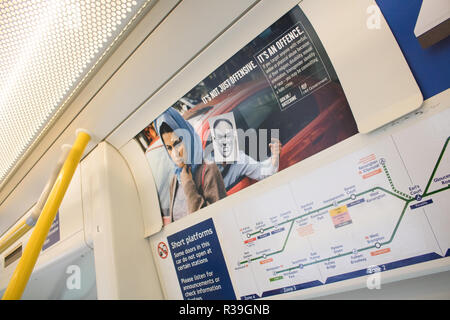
(33, 248)
(27, 224)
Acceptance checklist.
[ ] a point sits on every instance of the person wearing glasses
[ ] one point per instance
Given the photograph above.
(235, 164)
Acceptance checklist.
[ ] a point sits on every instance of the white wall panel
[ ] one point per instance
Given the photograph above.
(123, 261)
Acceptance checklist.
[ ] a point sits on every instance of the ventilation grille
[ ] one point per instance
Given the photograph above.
(47, 48)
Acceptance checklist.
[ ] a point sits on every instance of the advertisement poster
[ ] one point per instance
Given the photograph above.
(274, 103)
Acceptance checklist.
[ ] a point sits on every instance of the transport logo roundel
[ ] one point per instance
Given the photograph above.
(163, 251)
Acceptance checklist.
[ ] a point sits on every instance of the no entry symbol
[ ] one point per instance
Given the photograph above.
(163, 251)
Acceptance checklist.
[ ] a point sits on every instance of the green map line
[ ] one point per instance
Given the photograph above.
(326, 207)
(386, 171)
(425, 193)
(287, 221)
(398, 223)
(407, 201)
(279, 251)
(357, 250)
(307, 214)
(436, 191)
